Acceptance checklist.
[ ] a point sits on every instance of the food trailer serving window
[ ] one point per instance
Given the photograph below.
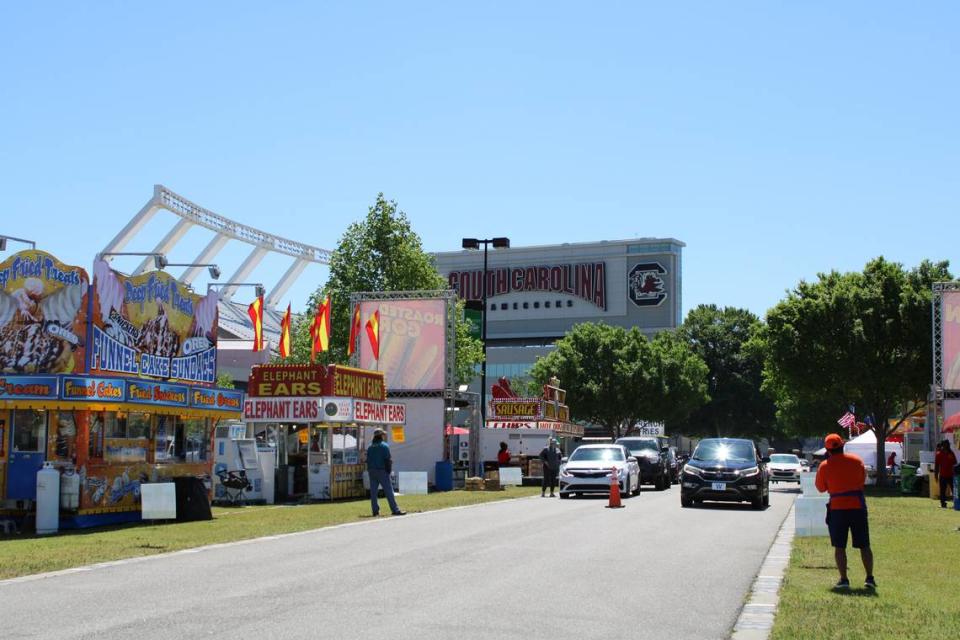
(29, 430)
(178, 440)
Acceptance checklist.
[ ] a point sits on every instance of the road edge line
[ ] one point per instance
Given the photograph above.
(220, 545)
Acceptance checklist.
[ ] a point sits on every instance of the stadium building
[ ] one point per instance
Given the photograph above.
(536, 294)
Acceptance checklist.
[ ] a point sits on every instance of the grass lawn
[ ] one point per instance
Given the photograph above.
(916, 547)
(23, 555)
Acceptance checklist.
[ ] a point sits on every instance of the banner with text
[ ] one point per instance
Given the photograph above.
(43, 314)
(413, 343)
(152, 326)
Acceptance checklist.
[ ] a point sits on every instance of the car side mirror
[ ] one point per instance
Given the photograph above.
(631, 459)
(765, 459)
(564, 459)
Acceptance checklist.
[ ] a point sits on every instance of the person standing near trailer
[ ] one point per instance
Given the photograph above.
(551, 457)
(944, 462)
(379, 466)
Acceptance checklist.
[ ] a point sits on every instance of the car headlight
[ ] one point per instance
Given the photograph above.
(692, 470)
(752, 471)
(565, 473)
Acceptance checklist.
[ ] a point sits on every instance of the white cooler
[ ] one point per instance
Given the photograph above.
(810, 513)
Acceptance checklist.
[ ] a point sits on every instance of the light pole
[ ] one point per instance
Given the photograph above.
(3, 242)
(159, 260)
(258, 286)
(474, 243)
(212, 268)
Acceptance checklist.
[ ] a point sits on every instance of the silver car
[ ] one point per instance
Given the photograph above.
(785, 467)
(589, 467)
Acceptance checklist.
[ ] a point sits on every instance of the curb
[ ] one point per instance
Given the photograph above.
(755, 621)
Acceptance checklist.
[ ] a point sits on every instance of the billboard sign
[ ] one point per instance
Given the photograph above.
(152, 326)
(950, 339)
(43, 314)
(413, 343)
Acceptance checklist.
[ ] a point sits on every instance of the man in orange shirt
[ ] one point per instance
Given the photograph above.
(843, 476)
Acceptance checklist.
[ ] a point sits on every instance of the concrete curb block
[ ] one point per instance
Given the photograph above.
(756, 618)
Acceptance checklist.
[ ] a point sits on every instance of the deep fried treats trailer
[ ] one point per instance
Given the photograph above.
(319, 419)
(112, 384)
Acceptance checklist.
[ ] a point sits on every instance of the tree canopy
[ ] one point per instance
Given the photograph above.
(615, 377)
(737, 406)
(860, 339)
(381, 252)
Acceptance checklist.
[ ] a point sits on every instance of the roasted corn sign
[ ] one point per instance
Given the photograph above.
(43, 305)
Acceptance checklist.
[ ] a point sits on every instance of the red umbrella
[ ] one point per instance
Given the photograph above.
(952, 423)
(455, 431)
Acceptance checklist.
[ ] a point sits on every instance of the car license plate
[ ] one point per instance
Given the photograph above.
(719, 486)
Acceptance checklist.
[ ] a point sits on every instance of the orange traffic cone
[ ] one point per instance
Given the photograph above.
(614, 491)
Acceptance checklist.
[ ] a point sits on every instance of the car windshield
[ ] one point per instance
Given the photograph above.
(733, 450)
(597, 454)
(784, 458)
(640, 445)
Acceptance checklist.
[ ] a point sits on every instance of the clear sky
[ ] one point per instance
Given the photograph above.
(776, 139)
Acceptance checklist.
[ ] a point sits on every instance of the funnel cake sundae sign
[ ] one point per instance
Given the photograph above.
(152, 326)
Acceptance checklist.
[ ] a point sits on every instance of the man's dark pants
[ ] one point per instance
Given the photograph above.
(549, 480)
(946, 485)
(853, 521)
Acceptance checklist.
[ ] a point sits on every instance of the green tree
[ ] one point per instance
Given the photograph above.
(853, 338)
(382, 252)
(615, 377)
(738, 406)
(679, 383)
(224, 381)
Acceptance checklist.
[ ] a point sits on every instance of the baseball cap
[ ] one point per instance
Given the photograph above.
(833, 441)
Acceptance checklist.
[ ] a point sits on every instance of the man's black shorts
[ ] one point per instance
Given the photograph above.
(854, 520)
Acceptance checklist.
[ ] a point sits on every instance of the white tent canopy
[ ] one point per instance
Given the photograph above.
(864, 447)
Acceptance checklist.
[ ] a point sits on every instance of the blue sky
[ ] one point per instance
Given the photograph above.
(775, 139)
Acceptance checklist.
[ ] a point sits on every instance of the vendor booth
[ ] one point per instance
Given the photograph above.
(112, 384)
(319, 420)
(527, 425)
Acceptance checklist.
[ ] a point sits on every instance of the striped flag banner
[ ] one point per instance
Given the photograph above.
(255, 311)
(847, 420)
(285, 347)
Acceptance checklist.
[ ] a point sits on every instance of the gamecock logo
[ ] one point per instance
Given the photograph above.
(645, 284)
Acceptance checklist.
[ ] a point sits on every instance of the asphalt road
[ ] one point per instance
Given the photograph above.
(527, 569)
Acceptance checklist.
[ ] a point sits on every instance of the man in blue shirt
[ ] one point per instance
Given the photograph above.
(379, 466)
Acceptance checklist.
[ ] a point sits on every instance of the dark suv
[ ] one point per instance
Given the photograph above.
(651, 455)
(727, 470)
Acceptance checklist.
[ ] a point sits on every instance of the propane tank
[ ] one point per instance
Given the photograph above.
(69, 490)
(48, 499)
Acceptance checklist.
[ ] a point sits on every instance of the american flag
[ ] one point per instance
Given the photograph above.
(847, 420)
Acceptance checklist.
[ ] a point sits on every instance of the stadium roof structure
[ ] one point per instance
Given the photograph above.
(234, 322)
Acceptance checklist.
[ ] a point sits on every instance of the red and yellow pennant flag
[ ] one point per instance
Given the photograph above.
(373, 334)
(285, 334)
(255, 311)
(354, 330)
(320, 330)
